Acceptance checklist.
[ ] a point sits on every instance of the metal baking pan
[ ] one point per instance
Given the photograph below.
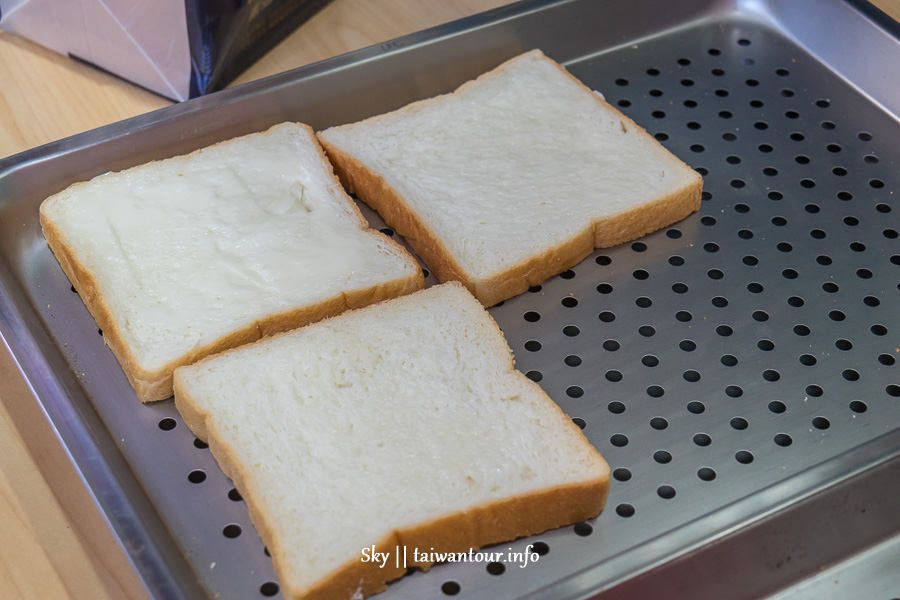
(737, 369)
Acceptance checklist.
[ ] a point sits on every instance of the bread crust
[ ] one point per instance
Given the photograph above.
(615, 229)
(480, 525)
(154, 385)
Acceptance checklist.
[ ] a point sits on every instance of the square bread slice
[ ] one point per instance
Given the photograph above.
(402, 424)
(512, 178)
(184, 257)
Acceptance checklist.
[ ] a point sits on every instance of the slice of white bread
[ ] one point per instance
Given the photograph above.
(181, 258)
(400, 424)
(512, 178)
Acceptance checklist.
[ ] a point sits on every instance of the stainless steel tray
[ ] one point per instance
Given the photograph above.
(737, 369)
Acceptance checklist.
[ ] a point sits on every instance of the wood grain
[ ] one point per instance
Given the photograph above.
(53, 541)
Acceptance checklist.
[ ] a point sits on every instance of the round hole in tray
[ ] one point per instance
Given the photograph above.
(663, 457)
(571, 330)
(532, 345)
(821, 423)
(647, 330)
(679, 287)
(655, 391)
(607, 316)
(450, 588)
(616, 407)
(573, 360)
(574, 391)
(624, 510)
(611, 345)
(702, 439)
(532, 316)
(234, 495)
(691, 376)
(197, 476)
(734, 391)
(696, 407)
(541, 548)
(613, 376)
(535, 376)
(886, 359)
(269, 589)
(649, 360)
(569, 302)
(167, 423)
(783, 440)
(622, 474)
(580, 422)
(198, 443)
(666, 492)
(843, 344)
(583, 529)
(619, 440)
(814, 390)
(745, 457)
(858, 406)
(706, 473)
(535, 289)
(729, 360)
(687, 345)
(777, 406)
(232, 530)
(739, 423)
(765, 345)
(801, 330)
(893, 390)
(659, 423)
(771, 375)
(496, 568)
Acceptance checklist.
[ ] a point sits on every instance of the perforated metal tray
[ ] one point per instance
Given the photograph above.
(736, 369)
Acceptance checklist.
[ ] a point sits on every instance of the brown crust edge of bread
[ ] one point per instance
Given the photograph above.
(627, 225)
(481, 525)
(154, 385)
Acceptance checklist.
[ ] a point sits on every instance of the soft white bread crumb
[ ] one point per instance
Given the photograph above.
(514, 177)
(183, 257)
(403, 423)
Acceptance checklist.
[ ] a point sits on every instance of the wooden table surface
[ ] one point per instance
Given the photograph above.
(53, 541)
